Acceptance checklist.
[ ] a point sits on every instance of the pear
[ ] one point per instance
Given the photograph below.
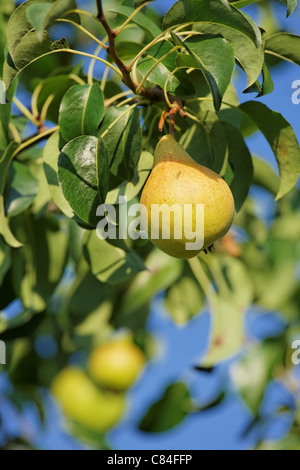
(116, 364)
(177, 180)
(84, 403)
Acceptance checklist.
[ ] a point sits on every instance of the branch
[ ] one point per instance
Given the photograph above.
(153, 94)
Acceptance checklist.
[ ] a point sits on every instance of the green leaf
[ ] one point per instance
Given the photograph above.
(82, 169)
(214, 11)
(130, 189)
(36, 14)
(275, 288)
(227, 332)
(179, 83)
(169, 411)
(162, 272)
(30, 49)
(253, 373)
(123, 141)
(267, 82)
(140, 19)
(5, 259)
(241, 162)
(81, 111)
(214, 57)
(56, 86)
(282, 140)
(265, 176)
(291, 5)
(40, 264)
(108, 263)
(248, 56)
(41, 15)
(50, 155)
(22, 326)
(207, 143)
(5, 162)
(21, 189)
(138, 3)
(184, 300)
(238, 287)
(4, 124)
(286, 46)
(90, 293)
(19, 25)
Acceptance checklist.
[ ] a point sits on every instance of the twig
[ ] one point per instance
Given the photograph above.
(153, 94)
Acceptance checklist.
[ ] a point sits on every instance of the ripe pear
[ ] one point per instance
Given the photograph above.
(177, 179)
(116, 364)
(82, 402)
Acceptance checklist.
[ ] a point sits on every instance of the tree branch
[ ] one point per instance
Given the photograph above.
(153, 94)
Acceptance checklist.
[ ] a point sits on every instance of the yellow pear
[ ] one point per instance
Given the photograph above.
(174, 189)
(84, 403)
(116, 364)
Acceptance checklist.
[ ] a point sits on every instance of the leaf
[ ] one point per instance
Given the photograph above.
(238, 287)
(253, 373)
(5, 114)
(90, 293)
(39, 265)
(138, 3)
(214, 11)
(5, 259)
(227, 332)
(36, 14)
(19, 25)
(267, 82)
(291, 5)
(265, 176)
(140, 19)
(178, 83)
(282, 140)
(21, 190)
(80, 164)
(21, 327)
(248, 56)
(109, 263)
(5, 162)
(184, 300)
(30, 49)
(131, 188)
(81, 111)
(214, 57)
(41, 15)
(50, 156)
(286, 46)
(275, 288)
(55, 86)
(123, 141)
(169, 411)
(241, 162)
(210, 138)
(162, 272)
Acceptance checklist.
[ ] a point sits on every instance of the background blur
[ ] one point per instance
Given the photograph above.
(179, 348)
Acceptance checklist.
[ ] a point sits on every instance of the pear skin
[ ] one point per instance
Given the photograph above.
(176, 179)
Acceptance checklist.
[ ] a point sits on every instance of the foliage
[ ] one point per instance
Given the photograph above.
(86, 137)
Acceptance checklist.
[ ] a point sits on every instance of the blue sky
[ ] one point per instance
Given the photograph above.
(180, 347)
